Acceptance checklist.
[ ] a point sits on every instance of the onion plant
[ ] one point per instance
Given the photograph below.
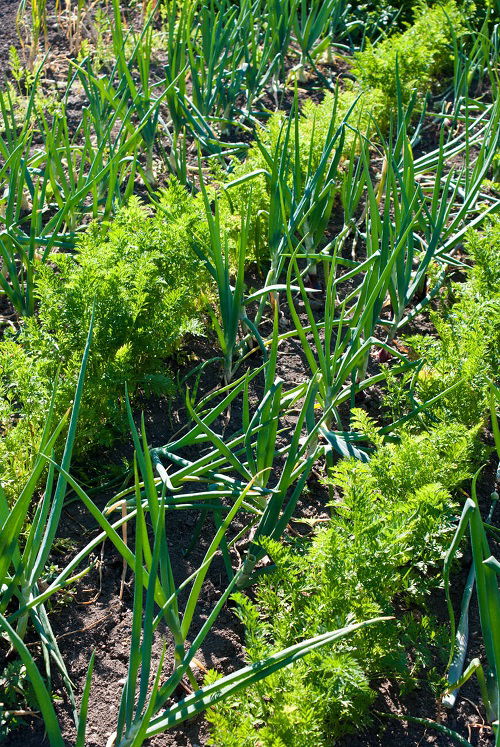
(280, 17)
(176, 25)
(449, 201)
(75, 24)
(232, 301)
(127, 92)
(476, 61)
(146, 108)
(143, 709)
(315, 27)
(147, 715)
(227, 57)
(277, 474)
(51, 186)
(460, 636)
(37, 26)
(48, 191)
(301, 198)
(23, 565)
(486, 572)
(338, 347)
(466, 204)
(261, 60)
(231, 298)
(215, 57)
(218, 49)
(403, 215)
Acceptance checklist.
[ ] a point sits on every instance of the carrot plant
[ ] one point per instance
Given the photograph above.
(329, 574)
(139, 267)
(417, 56)
(466, 346)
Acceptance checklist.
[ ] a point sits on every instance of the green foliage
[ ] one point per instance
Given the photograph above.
(293, 707)
(387, 535)
(392, 518)
(22, 75)
(467, 346)
(16, 696)
(145, 281)
(365, 425)
(316, 122)
(136, 269)
(484, 573)
(381, 16)
(445, 452)
(484, 248)
(422, 53)
(396, 402)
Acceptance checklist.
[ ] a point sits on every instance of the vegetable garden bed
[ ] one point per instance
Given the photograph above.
(249, 394)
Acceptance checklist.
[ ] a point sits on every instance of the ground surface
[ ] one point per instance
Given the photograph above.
(97, 619)
(8, 35)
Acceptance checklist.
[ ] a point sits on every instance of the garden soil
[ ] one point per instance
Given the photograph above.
(94, 617)
(8, 34)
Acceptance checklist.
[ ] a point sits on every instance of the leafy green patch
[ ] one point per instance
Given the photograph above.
(142, 276)
(467, 346)
(386, 537)
(416, 57)
(17, 697)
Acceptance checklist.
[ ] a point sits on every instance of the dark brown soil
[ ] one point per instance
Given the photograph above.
(8, 35)
(104, 626)
(96, 619)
